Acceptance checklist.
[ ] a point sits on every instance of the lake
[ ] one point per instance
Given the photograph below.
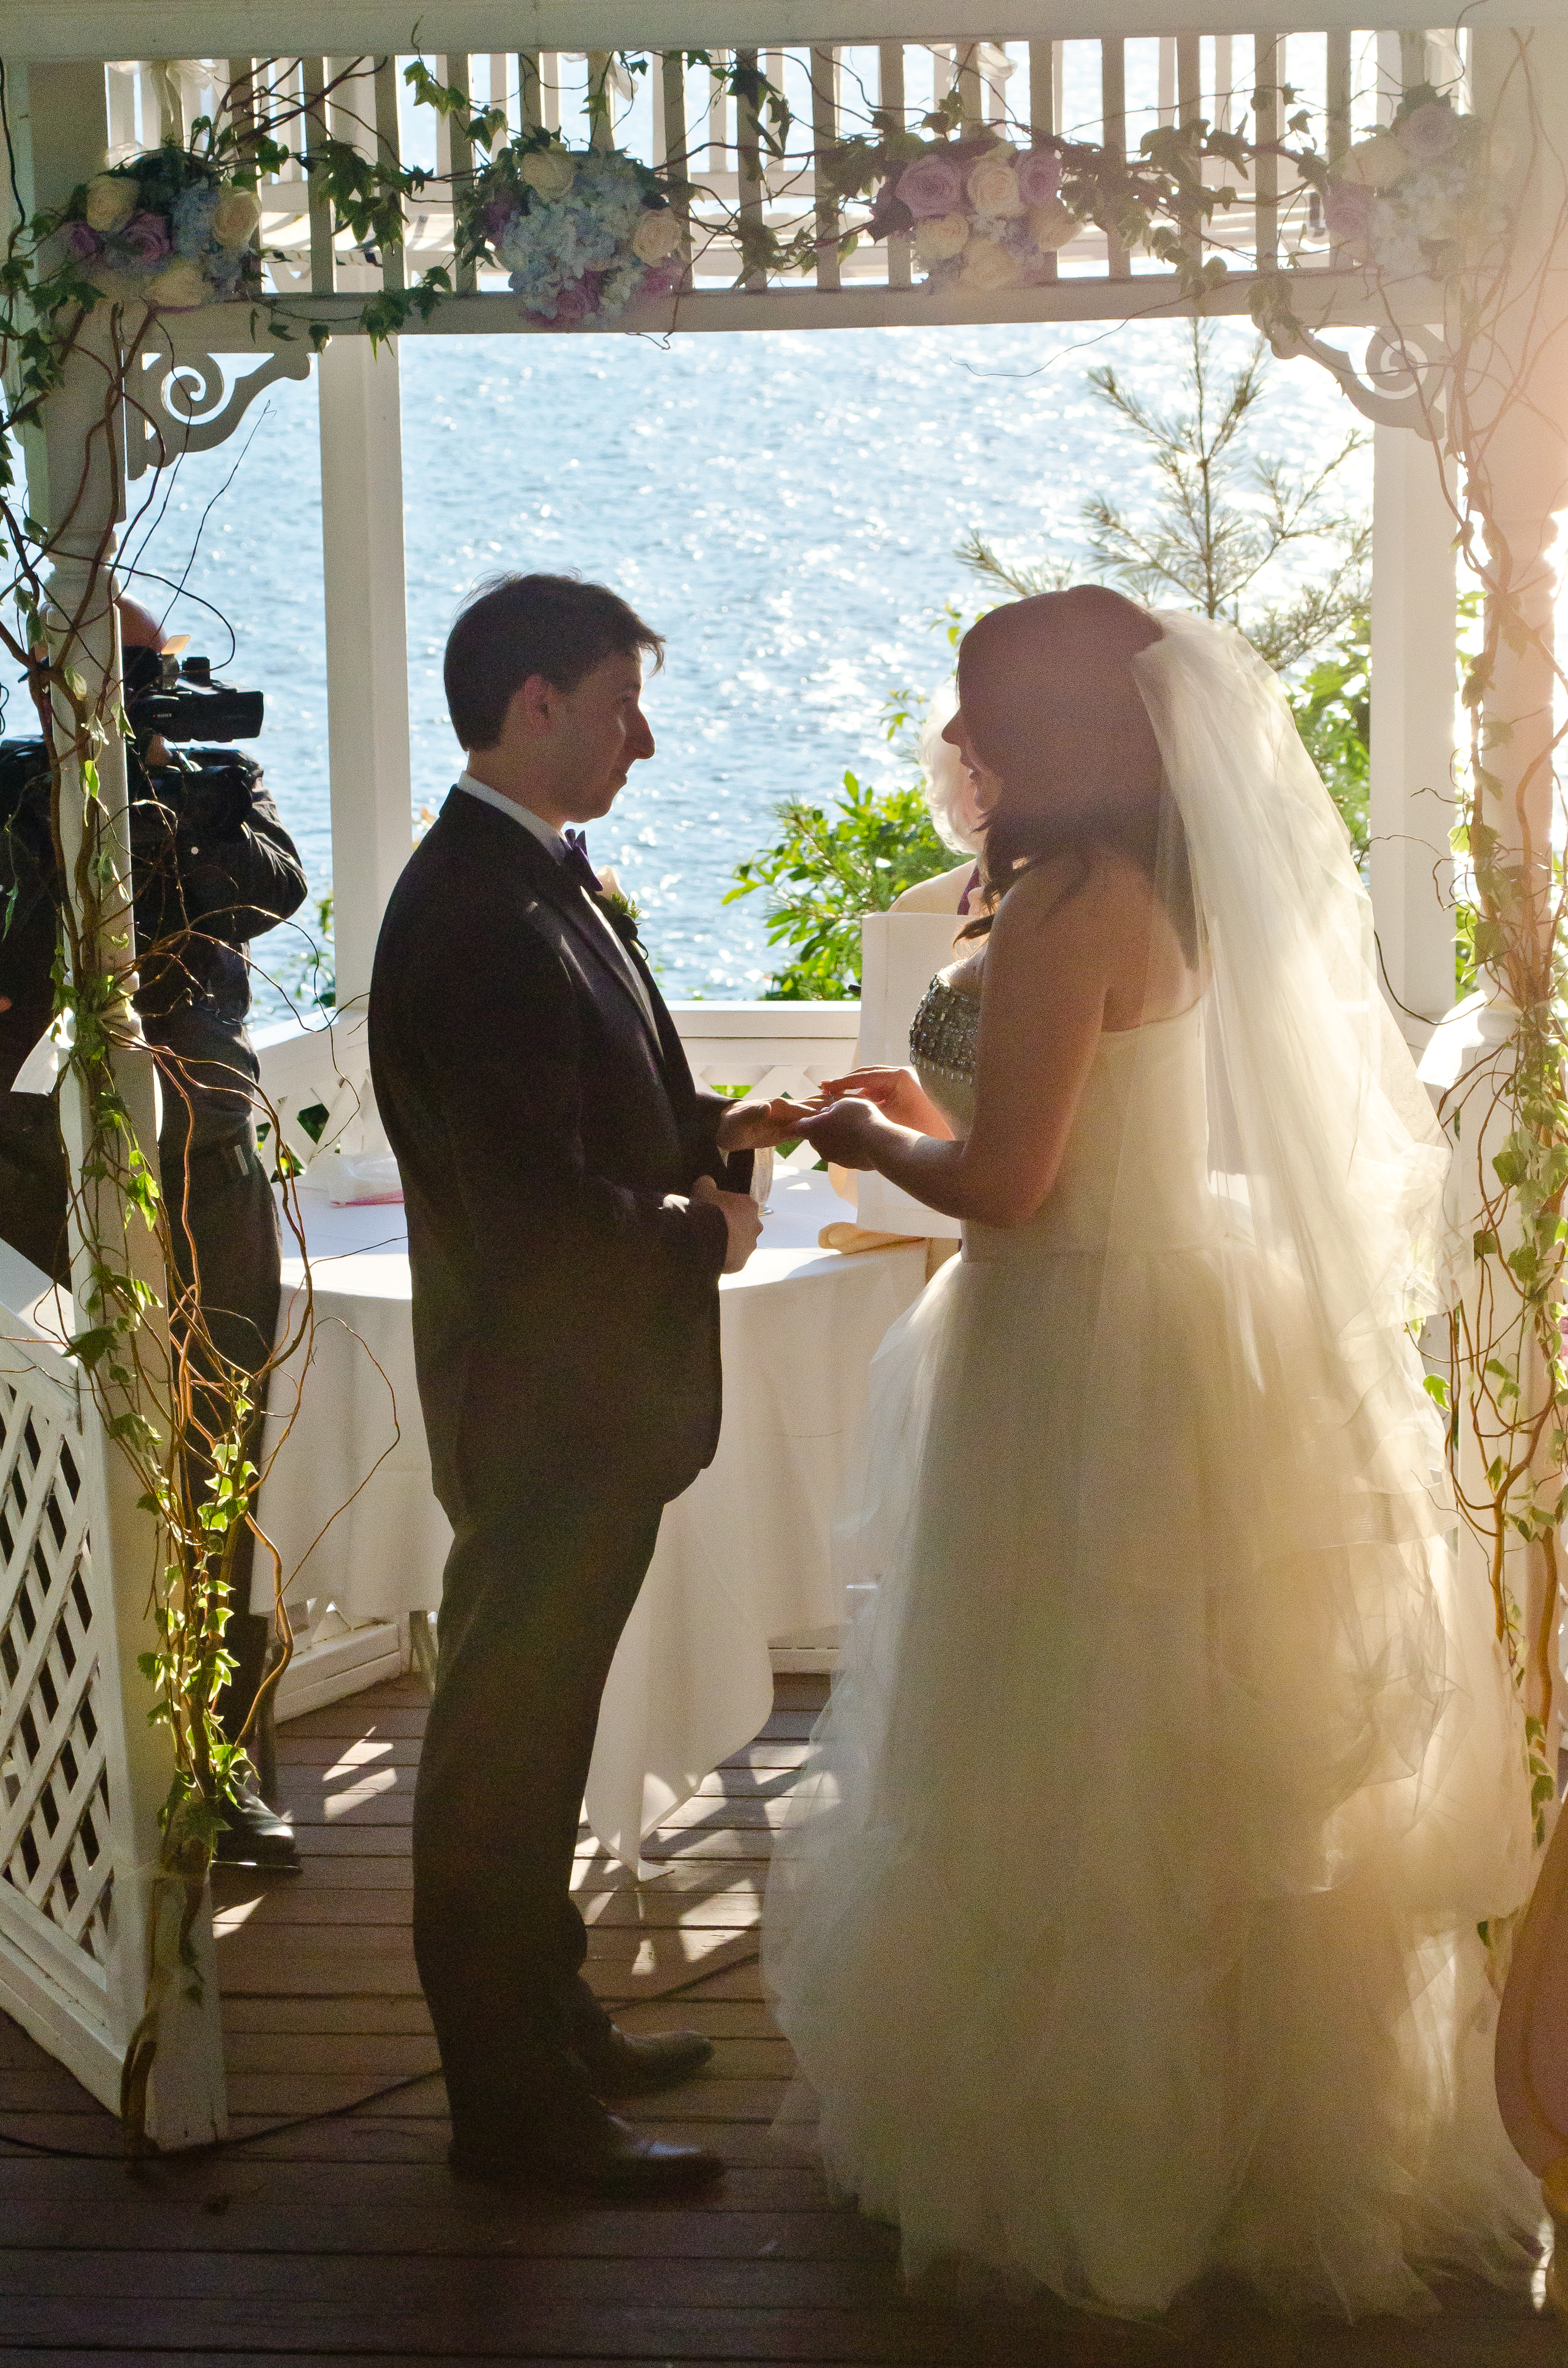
(783, 506)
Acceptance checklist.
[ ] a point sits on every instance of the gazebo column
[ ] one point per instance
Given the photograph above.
(1516, 441)
(367, 647)
(74, 486)
(1413, 676)
(1511, 412)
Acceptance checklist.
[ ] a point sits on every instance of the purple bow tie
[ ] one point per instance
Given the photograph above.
(576, 864)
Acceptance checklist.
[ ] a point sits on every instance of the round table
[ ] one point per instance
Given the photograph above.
(743, 1558)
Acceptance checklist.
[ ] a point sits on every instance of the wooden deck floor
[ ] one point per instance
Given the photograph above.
(344, 2239)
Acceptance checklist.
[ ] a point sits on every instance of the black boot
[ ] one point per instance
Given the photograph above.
(254, 1834)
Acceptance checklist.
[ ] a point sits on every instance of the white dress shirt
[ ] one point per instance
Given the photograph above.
(550, 839)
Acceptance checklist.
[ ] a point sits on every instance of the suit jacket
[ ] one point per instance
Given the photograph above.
(565, 1313)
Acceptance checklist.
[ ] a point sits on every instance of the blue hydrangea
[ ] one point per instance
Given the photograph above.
(589, 230)
(226, 269)
(191, 220)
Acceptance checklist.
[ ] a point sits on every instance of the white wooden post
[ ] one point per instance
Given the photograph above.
(1518, 429)
(1414, 685)
(367, 647)
(75, 484)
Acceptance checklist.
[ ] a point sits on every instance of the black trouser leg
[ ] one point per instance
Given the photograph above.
(535, 1595)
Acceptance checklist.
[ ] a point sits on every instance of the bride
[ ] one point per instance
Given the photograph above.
(1129, 1933)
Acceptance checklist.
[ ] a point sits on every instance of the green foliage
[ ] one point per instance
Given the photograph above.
(827, 868)
(1221, 517)
(1332, 705)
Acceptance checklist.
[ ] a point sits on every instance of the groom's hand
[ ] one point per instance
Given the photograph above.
(757, 1126)
(741, 1214)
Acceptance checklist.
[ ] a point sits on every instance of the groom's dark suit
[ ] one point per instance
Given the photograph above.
(566, 1337)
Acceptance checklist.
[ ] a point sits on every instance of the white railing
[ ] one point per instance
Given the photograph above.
(768, 1048)
(1108, 90)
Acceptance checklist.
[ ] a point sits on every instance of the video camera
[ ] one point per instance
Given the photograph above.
(195, 791)
(169, 698)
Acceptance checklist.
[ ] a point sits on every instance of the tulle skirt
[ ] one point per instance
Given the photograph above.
(1126, 1930)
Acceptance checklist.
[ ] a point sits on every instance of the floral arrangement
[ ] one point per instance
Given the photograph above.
(1418, 196)
(580, 235)
(170, 229)
(979, 214)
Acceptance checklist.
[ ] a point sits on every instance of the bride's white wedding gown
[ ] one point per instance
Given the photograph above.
(1131, 1931)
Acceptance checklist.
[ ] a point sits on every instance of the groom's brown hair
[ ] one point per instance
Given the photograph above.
(515, 626)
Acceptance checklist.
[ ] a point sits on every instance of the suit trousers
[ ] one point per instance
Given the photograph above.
(537, 1587)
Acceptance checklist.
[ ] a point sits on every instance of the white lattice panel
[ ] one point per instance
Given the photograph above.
(54, 1799)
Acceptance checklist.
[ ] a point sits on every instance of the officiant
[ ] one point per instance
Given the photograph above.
(958, 807)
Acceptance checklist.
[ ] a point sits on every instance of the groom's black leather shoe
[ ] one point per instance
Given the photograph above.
(637, 2064)
(592, 2153)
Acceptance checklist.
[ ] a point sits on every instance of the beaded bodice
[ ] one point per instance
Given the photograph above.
(944, 1030)
(1136, 1162)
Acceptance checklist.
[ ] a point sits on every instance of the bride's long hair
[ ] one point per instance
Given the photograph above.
(1052, 707)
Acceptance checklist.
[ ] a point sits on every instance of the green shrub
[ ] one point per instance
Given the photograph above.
(829, 867)
(1332, 704)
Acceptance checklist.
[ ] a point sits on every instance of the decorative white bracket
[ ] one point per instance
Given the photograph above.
(1400, 384)
(183, 403)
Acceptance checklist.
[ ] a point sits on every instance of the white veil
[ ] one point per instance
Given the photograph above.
(1315, 1099)
(1325, 1490)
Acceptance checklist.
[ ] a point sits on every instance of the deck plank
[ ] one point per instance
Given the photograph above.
(345, 2239)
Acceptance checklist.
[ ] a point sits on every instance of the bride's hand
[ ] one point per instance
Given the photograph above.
(757, 1126)
(845, 1132)
(897, 1093)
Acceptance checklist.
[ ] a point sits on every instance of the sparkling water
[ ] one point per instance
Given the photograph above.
(784, 507)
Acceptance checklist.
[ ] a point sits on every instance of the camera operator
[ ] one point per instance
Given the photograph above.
(212, 867)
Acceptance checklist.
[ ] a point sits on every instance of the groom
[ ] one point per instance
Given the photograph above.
(572, 1203)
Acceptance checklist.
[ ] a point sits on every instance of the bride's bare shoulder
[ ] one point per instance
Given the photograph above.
(1073, 895)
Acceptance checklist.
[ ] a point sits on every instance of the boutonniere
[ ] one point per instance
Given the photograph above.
(623, 913)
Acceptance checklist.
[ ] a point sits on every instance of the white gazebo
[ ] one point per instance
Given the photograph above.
(82, 1773)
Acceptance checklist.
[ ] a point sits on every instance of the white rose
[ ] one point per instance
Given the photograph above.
(941, 237)
(548, 171)
(988, 265)
(1430, 208)
(178, 288)
(1375, 163)
(1051, 225)
(111, 201)
(657, 236)
(236, 216)
(994, 189)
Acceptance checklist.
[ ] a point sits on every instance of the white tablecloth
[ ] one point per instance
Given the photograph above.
(743, 1557)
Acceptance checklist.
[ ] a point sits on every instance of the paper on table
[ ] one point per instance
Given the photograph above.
(354, 1166)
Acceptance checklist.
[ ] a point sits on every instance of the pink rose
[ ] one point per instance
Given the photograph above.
(1429, 130)
(494, 216)
(1039, 175)
(82, 241)
(1347, 209)
(147, 237)
(932, 185)
(575, 303)
(664, 278)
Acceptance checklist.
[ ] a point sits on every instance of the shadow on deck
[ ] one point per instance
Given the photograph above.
(344, 2239)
